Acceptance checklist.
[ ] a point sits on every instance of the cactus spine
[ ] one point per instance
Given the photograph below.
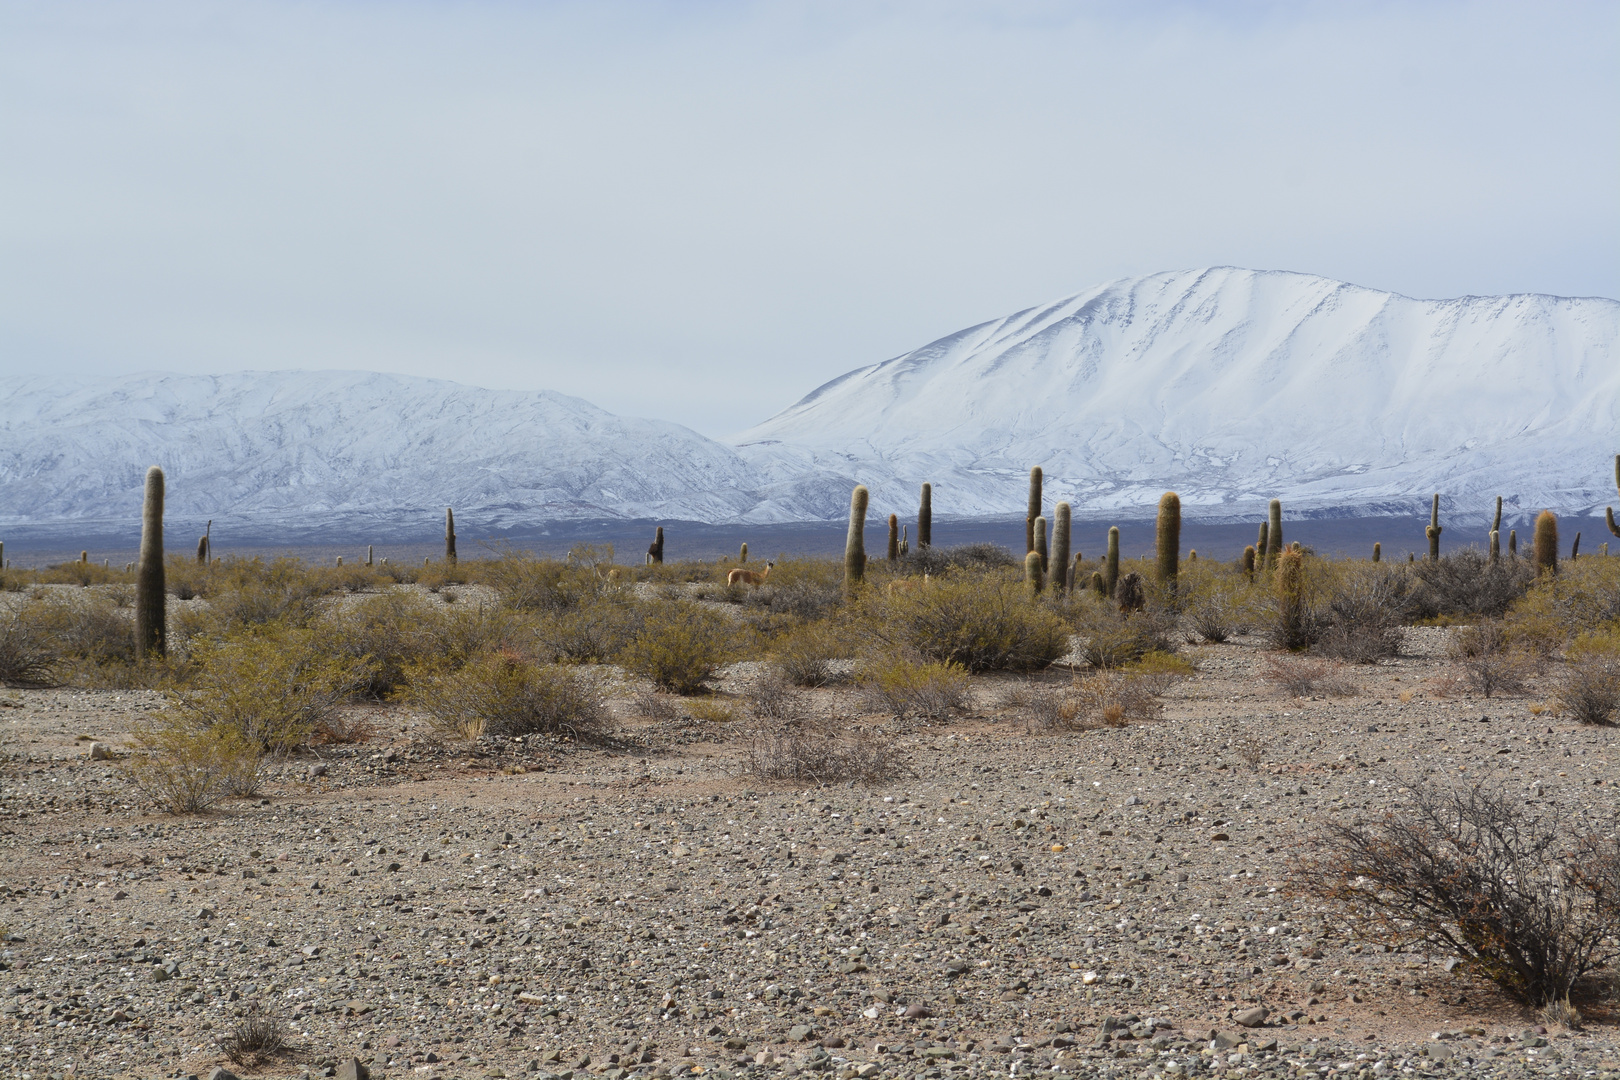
(1433, 531)
(855, 542)
(1032, 573)
(1274, 539)
(894, 538)
(1378, 552)
(925, 517)
(1608, 511)
(1111, 562)
(150, 599)
(1545, 543)
(1040, 542)
(1034, 508)
(1061, 528)
(1167, 538)
(449, 535)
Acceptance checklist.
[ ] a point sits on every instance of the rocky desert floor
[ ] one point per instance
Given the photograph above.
(1103, 903)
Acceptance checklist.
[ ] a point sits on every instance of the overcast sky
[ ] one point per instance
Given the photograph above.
(702, 210)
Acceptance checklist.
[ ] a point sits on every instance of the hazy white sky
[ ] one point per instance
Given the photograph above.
(702, 210)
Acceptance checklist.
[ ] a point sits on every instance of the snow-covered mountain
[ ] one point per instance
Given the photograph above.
(291, 452)
(1231, 387)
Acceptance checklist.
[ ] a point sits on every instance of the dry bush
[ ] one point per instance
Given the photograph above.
(1590, 690)
(504, 694)
(456, 636)
(977, 558)
(1488, 663)
(806, 653)
(526, 583)
(916, 687)
(1298, 676)
(593, 632)
(1365, 613)
(254, 1039)
(1583, 596)
(1114, 699)
(1217, 602)
(184, 769)
(1466, 583)
(982, 622)
(29, 655)
(276, 686)
(83, 574)
(803, 588)
(804, 752)
(680, 646)
(656, 706)
(711, 710)
(1530, 903)
(1111, 641)
(387, 632)
(1159, 671)
(772, 695)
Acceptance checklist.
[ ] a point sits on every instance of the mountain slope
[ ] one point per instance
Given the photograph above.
(1230, 386)
(294, 451)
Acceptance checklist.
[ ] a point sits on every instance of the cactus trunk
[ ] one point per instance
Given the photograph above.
(1433, 531)
(1513, 543)
(894, 537)
(1033, 579)
(655, 550)
(1248, 561)
(1111, 561)
(449, 535)
(1274, 537)
(1040, 542)
(1496, 546)
(1034, 510)
(1575, 548)
(151, 621)
(1260, 547)
(742, 553)
(1098, 584)
(1545, 543)
(1290, 585)
(369, 553)
(1378, 552)
(855, 541)
(1167, 539)
(925, 517)
(1061, 528)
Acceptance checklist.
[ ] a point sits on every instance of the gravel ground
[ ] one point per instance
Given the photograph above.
(1108, 903)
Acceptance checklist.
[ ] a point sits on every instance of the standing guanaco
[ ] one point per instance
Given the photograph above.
(740, 576)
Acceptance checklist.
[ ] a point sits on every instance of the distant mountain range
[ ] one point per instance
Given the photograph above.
(1229, 386)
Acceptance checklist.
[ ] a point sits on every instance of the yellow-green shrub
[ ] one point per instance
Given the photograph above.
(916, 687)
(500, 693)
(981, 621)
(680, 646)
(186, 770)
(595, 631)
(806, 653)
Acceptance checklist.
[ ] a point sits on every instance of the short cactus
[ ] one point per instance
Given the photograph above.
(1167, 539)
(894, 538)
(368, 555)
(925, 517)
(151, 637)
(1545, 543)
(1098, 584)
(905, 541)
(1513, 543)
(1433, 531)
(1248, 560)
(1260, 546)
(855, 541)
(1059, 561)
(1130, 594)
(742, 553)
(1378, 552)
(1034, 580)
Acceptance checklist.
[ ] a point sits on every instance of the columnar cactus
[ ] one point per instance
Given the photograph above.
(1034, 580)
(1433, 531)
(655, 550)
(84, 558)
(1378, 552)
(894, 538)
(1608, 511)
(1513, 543)
(1248, 561)
(1040, 542)
(1060, 548)
(905, 540)
(1496, 522)
(1260, 547)
(1167, 538)
(1290, 586)
(151, 635)
(925, 517)
(368, 555)
(1099, 584)
(742, 554)
(1545, 544)
(1575, 548)
(1111, 562)
(1274, 537)
(855, 541)
(202, 550)
(1034, 508)
(449, 535)
(1496, 545)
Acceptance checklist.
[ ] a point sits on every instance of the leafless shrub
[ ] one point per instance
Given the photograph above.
(1110, 642)
(503, 694)
(1250, 748)
(1106, 699)
(1299, 676)
(656, 706)
(820, 753)
(1530, 903)
(806, 654)
(1365, 616)
(255, 1039)
(1591, 689)
(772, 696)
(28, 654)
(1218, 604)
(1486, 662)
(1467, 583)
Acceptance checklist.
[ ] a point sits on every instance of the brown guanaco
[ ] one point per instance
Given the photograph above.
(740, 576)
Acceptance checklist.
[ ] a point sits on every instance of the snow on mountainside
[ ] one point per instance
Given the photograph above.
(299, 450)
(1231, 387)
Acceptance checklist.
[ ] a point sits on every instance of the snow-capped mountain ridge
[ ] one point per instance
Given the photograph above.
(1228, 386)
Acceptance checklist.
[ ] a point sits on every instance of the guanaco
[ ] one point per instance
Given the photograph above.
(908, 585)
(740, 576)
